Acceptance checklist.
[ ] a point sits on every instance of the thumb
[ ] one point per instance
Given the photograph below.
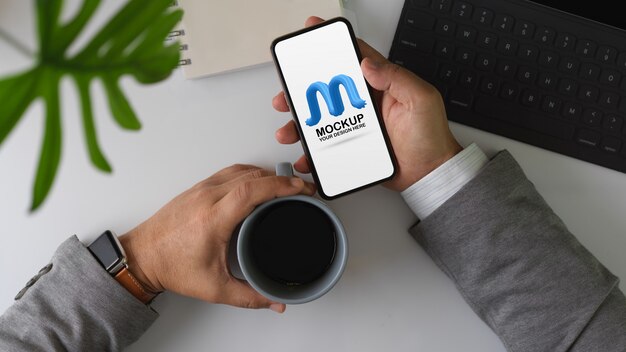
(390, 78)
(240, 294)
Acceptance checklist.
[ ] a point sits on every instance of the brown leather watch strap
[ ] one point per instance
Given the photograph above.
(126, 279)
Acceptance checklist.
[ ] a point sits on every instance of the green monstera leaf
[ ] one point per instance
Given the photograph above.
(131, 43)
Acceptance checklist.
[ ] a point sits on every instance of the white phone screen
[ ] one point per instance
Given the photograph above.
(334, 109)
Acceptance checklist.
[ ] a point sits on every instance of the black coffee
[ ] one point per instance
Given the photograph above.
(293, 242)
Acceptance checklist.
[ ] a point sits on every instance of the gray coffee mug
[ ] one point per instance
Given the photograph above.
(242, 265)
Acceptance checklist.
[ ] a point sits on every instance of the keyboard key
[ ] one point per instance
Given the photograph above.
(547, 80)
(611, 145)
(465, 56)
(420, 20)
(610, 77)
(568, 87)
(586, 48)
(509, 91)
(466, 34)
(609, 100)
(507, 46)
(548, 59)
(468, 79)
(485, 62)
(490, 108)
(483, 16)
(551, 105)
(565, 42)
(489, 85)
(417, 40)
(528, 52)
(444, 49)
(589, 71)
(524, 29)
(545, 36)
(462, 10)
(588, 94)
(461, 98)
(506, 68)
(445, 27)
(504, 22)
(527, 75)
(497, 109)
(607, 55)
(572, 111)
(613, 124)
(441, 6)
(551, 127)
(588, 138)
(530, 98)
(487, 40)
(592, 117)
(448, 74)
(569, 65)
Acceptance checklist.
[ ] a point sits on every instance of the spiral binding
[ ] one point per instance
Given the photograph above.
(175, 34)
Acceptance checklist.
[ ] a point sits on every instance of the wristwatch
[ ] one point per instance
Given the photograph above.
(110, 254)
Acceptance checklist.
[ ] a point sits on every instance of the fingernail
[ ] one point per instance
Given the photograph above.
(371, 64)
(296, 182)
(277, 307)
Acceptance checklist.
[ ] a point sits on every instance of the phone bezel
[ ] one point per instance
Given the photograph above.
(297, 122)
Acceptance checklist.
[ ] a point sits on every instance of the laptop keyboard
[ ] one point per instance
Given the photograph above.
(523, 71)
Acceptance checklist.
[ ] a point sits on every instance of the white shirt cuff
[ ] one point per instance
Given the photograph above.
(427, 194)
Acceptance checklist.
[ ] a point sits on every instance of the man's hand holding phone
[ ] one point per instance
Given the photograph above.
(414, 115)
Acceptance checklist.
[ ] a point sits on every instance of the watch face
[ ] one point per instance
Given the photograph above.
(107, 251)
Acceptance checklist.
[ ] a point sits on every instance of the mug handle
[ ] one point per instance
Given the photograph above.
(284, 169)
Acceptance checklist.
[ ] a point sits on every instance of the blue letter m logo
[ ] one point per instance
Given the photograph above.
(332, 97)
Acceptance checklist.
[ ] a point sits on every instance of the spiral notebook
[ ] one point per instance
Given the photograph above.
(224, 36)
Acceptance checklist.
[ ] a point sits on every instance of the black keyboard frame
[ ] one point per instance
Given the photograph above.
(512, 119)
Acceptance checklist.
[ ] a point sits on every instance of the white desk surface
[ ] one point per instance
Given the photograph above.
(392, 296)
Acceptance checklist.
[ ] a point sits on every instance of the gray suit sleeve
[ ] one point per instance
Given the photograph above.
(520, 269)
(75, 306)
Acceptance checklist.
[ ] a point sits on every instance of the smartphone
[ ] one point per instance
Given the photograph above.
(341, 130)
